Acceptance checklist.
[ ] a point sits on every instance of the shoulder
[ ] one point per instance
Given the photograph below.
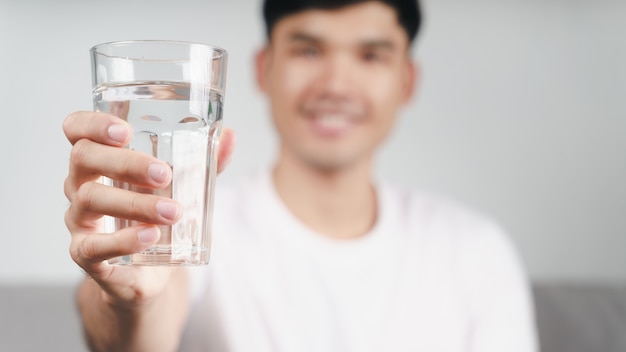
(437, 213)
(455, 231)
(473, 243)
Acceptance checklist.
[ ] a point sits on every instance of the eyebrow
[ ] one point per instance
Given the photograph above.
(370, 44)
(304, 37)
(379, 44)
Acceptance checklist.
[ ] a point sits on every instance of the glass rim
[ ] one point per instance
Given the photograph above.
(96, 48)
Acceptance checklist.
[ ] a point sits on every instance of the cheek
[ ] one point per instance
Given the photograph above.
(386, 95)
(287, 86)
(289, 82)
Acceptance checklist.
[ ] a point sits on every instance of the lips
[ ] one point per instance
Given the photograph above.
(333, 121)
(331, 124)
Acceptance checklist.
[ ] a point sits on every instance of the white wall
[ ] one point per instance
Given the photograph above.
(520, 114)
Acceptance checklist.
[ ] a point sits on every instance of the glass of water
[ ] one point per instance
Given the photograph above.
(172, 94)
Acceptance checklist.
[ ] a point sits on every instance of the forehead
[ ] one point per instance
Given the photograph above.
(366, 21)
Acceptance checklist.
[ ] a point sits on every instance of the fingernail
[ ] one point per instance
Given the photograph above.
(158, 172)
(148, 235)
(118, 133)
(168, 210)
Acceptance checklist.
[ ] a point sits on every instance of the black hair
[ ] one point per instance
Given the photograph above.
(408, 11)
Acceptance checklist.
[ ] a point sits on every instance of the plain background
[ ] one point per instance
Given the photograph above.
(520, 114)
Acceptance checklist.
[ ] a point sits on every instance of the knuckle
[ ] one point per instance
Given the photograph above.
(68, 189)
(137, 208)
(67, 123)
(84, 196)
(134, 203)
(77, 220)
(74, 252)
(85, 250)
(68, 219)
(79, 152)
(73, 127)
(126, 163)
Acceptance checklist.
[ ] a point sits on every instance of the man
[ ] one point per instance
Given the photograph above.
(310, 255)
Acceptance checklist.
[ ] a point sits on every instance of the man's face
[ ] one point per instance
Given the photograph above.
(335, 80)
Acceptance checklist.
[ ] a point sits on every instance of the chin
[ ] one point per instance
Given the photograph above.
(331, 164)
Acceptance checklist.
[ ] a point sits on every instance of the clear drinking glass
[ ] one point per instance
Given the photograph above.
(172, 94)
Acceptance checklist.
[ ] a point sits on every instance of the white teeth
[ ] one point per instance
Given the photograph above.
(333, 121)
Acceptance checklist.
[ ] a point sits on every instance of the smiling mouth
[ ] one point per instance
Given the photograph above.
(332, 124)
(333, 120)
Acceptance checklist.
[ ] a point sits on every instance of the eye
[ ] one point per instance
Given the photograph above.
(373, 56)
(376, 55)
(307, 52)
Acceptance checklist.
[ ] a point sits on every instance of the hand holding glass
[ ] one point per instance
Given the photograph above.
(172, 95)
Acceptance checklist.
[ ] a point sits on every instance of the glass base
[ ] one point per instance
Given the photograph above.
(165, 256)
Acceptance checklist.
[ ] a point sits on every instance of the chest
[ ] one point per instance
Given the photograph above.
(272, 297)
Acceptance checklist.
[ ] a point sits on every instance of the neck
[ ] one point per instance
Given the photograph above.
(338, 203)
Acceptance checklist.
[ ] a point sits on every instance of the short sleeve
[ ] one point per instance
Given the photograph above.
(498, 293)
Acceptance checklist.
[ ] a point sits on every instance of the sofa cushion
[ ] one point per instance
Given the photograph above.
(581, 317)
(39, 318)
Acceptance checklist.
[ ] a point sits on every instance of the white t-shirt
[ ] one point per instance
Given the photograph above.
(430, 276)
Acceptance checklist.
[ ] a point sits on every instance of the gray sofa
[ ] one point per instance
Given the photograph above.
(570, 318)
(581, 317)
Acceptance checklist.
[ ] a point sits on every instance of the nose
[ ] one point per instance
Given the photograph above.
(337, 76)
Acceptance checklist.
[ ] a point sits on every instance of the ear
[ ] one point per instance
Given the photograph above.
(411, 78)
(262, 65)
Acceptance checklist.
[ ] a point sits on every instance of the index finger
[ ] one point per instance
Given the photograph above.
(98, 127)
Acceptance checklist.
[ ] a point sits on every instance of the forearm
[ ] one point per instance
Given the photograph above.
(155, 325)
